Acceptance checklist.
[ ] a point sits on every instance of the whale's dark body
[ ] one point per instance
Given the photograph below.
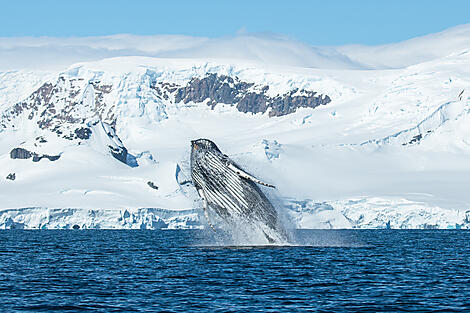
(231, 192)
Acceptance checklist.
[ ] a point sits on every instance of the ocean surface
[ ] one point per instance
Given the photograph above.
(184, 271)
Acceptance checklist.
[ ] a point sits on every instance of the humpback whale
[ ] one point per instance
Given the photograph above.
(232, 193)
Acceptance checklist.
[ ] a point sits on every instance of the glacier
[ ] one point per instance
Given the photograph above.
(389, 150)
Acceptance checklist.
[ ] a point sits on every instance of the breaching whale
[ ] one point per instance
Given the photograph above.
(232, 193)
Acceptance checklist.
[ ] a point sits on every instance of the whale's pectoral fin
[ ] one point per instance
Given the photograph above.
(204, 206)
(245, 175)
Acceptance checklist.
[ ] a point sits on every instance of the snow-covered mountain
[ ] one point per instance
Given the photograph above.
(106, 143)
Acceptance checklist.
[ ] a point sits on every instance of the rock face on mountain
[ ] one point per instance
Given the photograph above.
(37, 157)
(115, 145)
(83, 133)
(84, 107)
(119, 153)
(247, 97)
(63, 107)
(74, 105)
(20, 153)
(68, 105)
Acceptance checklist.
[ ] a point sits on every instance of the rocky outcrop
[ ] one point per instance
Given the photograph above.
(247, 97)
(119, 153)
(69, 105)
(11, 176)
(23, 154)
(83, 133)
(62, 107)
(37, 157)
(20, 153)
(115, 145)
(152, 185)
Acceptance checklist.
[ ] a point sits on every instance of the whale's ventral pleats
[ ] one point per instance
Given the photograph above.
(232, 193)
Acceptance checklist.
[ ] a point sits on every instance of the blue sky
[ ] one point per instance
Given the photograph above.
(333, 22)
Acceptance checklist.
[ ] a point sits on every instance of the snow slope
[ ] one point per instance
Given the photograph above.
(391, 149)
(412, 51)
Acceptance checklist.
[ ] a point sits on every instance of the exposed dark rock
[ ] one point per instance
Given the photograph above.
(120, 153)
(117, 148)
(164, 89)
(59, 107)
(41, 139)
(76, 226)
(37, 158)
(152, 185)
(224, 89)
(289, 103)
(415, 139)
(100, 105)
(252, 102)
(11, 176)
(83, 133)
(20, 153)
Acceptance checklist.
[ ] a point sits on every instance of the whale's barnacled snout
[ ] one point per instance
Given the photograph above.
(203, 144)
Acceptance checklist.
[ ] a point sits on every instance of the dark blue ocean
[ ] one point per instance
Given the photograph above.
(182, 271)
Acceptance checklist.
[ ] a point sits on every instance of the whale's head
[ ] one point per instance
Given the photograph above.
(203, 144)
